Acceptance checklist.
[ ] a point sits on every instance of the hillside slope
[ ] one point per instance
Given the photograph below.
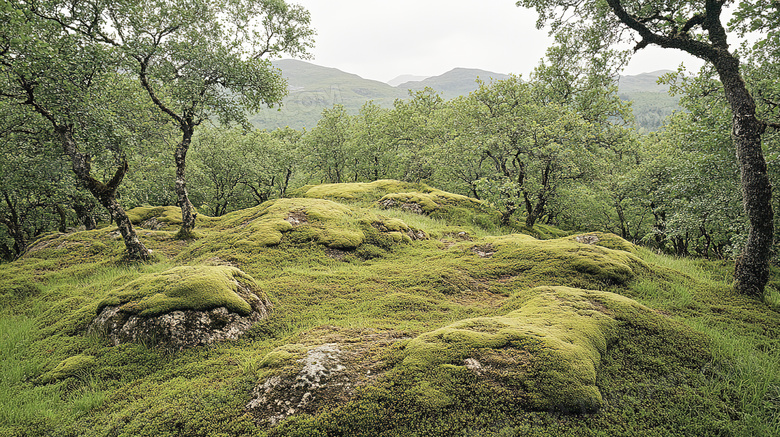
(374, 309)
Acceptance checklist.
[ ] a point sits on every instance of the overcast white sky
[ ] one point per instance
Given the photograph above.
(381, 40)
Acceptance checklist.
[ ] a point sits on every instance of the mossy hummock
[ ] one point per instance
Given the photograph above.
(304, 221)
(195, 288)
(364, 193)
(522, 260)
(543, 356)
(154, 216)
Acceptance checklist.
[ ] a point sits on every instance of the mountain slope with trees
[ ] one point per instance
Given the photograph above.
(313, 88)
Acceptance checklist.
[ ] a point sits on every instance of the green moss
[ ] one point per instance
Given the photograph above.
(198, 288)
(477, 332)
(68, 367)
(170, 215)
(282, 356)
(362, 192)
(304, 221)
(548, 350)
(561, 261)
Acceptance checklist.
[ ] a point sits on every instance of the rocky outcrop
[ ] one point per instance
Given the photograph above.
(175, 330)
(307, 379)
(182, 307)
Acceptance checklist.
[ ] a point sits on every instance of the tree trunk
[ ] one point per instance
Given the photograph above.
(14, 226)
(751, 271)
(188, 214)
(104, 193)
(84, 214)
(63, 227)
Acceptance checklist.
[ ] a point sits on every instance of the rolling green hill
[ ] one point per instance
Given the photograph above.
(378, 309)
(454, 83)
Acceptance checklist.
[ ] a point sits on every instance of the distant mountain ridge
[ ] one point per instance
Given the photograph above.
(454, 83)
(405, 78)
(313, 88)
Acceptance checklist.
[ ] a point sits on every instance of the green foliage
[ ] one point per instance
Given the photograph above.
(234, 169)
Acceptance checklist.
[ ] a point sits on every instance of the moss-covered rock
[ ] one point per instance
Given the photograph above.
(183, 307)
(197, 288)
(428, 202)
(544, 355)
(526, 261)
(155, 217)
(610, 241)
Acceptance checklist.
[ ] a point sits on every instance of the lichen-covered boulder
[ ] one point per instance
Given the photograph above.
(183, 307)
(302, 379)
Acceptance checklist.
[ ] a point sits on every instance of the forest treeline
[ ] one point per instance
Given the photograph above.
(102, 104)
(567, 157)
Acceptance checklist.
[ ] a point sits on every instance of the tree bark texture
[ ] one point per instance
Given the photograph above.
(751, 271)
(188, 214)
(104, 193)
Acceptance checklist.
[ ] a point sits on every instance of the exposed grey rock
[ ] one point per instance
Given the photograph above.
(484, 251)
(152, 224)
(175, 330)
(587, 239)
(322, 373)
(406, 206)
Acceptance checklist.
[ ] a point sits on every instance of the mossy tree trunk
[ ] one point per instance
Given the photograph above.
(752, 267)
(188, 213)
(105, 193)
(187, 124)
(13, 224)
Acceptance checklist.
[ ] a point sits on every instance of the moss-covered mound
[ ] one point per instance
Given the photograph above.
(364, 193)
(320, 221)
(429, 202)
(522, 260)
(406, 196)
(195, 288)
(155, 217)
(544, 355)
